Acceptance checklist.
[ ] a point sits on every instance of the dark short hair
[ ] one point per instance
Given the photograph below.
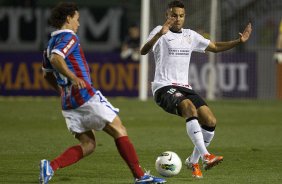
(176, 3)
(60, 13)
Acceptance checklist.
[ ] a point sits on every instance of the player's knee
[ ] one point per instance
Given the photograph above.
(122, 130)
(119, 131)
(188, 109)
(211, 121)
(88, 147)
(92, 146)
(194, 111)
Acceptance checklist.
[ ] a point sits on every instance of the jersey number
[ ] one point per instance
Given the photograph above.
(171, 91)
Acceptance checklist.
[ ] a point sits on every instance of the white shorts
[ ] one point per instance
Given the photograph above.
(93, 114)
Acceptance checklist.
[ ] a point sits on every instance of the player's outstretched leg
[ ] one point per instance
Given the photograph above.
(195, 167)
(128, 153)
(210, 160)
(46, 172)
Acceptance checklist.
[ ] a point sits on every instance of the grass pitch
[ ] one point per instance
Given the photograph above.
(248, 135)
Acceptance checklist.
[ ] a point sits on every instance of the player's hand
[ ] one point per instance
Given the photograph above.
(78, 83)
(246, 34)
(167, 25)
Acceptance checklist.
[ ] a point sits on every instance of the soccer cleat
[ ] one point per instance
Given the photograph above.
(211, 160)
(196, 171)
(46, 172)
(149, 179)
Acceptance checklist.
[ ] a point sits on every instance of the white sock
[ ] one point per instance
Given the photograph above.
(208, 136)
(194, 131)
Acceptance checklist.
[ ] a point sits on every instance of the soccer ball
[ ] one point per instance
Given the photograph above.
(168, 164)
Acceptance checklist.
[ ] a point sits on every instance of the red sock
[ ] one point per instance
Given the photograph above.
(69, 157)
(127, 151)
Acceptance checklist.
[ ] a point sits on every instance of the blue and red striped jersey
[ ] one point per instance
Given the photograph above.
(66, 44)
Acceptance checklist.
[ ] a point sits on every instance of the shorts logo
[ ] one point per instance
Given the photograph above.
(178, 94)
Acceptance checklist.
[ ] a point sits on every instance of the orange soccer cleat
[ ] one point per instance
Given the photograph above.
(211, 160)
(196, 171)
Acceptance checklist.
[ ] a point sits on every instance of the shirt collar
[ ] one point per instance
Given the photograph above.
(177, 32)
(61, 31)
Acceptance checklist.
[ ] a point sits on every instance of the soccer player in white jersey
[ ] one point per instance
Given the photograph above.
(172, 46)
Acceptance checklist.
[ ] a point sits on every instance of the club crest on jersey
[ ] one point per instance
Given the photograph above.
(65, 50)
(189, 40)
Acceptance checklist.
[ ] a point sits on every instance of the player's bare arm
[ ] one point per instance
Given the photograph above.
(51, 79)
(223, 46)
(59, 63)
(148, 46)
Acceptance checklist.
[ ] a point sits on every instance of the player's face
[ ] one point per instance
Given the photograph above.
(179, 15)
(74, 22)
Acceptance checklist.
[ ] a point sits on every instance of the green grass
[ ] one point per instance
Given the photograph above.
(248, 135)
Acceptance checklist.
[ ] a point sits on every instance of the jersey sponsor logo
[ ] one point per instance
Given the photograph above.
(178, 52)
(70, 44)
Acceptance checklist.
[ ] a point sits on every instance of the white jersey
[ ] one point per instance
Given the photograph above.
(172, 53)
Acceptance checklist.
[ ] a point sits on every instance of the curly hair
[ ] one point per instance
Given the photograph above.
(176, 3)
(60, 13)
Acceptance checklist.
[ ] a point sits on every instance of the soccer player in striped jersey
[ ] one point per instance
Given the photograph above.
(172, 46)
(84, 108)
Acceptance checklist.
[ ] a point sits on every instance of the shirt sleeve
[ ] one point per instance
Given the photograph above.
(154, 32)
(199, 42)
(46, 65)
(65, 45)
